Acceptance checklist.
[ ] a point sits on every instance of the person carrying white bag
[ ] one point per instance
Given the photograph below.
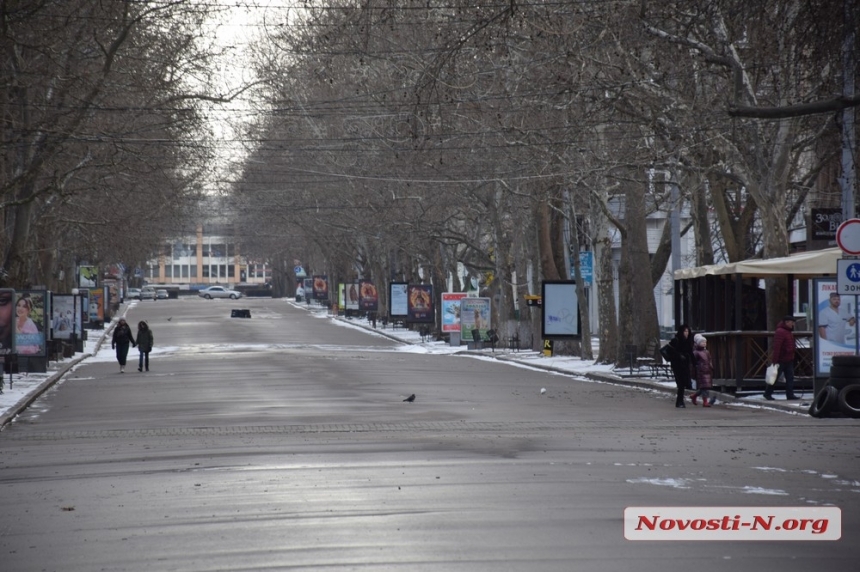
(782, 355)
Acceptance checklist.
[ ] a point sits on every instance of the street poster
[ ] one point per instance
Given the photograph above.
(30, 322)
(368, 296)
(835, 319)
(474, 316)
(420, 303)
(451, 311)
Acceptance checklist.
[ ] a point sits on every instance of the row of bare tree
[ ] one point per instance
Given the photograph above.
(103, 148)
(397, 139)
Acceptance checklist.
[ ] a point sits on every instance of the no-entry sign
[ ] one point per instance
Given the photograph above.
(848, 236)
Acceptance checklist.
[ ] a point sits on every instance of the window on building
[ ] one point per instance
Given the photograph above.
(193, 271)
(222, 271)
(177, 273)
(185, 271)
(205, 271)
(231, 271)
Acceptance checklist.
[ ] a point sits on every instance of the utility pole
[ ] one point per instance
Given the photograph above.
(848, 180)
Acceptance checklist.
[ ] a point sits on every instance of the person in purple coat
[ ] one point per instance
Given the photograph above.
(704, 370)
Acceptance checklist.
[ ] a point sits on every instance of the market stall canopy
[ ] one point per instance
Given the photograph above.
(807, 264)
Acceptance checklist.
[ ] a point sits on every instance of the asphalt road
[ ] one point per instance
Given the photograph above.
(283, 443)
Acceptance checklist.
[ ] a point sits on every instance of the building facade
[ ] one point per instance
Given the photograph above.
(202, 260)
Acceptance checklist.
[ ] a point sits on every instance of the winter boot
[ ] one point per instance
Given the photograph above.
(679, 402)
(694, 397)
(705, 402)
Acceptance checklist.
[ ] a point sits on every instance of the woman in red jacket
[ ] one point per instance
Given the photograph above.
(783, 356)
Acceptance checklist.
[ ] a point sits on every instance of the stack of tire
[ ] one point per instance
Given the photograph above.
(841, 393)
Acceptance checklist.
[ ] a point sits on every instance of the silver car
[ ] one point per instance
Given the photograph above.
(219, 292)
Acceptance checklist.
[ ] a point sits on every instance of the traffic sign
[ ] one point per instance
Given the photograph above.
(848, 276)
(848, 236)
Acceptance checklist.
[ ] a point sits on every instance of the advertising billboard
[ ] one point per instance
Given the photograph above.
(451, 311)
(368, 296)
(398, 299)
(474, 316)
(7, 321)
(30, 322)
(420, 300)
(835, 320)
(560, 310)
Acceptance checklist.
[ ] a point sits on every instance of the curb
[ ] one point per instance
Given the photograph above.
(639, 383)
(24, 402)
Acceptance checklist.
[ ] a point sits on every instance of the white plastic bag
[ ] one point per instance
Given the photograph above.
(771, 374)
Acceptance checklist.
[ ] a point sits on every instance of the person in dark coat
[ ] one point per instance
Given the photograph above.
(704, 369)
(783, 355)
(122, 338)
(680, 351)
(145, 341)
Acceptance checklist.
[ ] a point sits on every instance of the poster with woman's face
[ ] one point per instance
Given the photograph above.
(30, 323)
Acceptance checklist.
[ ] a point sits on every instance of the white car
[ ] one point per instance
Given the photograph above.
(148, 293)
(133, 294)
(161, 294)
(219, 292)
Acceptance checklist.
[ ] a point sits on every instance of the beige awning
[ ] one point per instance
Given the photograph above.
(808, 264)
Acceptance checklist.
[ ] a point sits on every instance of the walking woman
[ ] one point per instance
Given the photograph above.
(681, 358)
(704, 369)
(121, 339)
(145, 340)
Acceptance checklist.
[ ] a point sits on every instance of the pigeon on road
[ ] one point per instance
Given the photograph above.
(410, 399)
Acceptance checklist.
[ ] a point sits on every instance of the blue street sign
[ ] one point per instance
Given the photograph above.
(848, 276)
(586, 267)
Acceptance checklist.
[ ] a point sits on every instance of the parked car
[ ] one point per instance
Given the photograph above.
(161, 294)
(148, 293)
(133, 294)
(219, 292)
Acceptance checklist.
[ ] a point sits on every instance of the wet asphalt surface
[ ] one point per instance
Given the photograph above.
(283, 442)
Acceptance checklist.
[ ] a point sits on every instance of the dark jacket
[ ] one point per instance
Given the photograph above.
(145, 339)
(681, 353)
(122, 336)
(783, 344)
(704, 368)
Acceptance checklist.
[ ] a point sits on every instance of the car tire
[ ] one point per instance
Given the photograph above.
(849, 360)
(208, 296)
(232, 296)
(849, 401)
(840, 383)
(824, 402)
(852, 371)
